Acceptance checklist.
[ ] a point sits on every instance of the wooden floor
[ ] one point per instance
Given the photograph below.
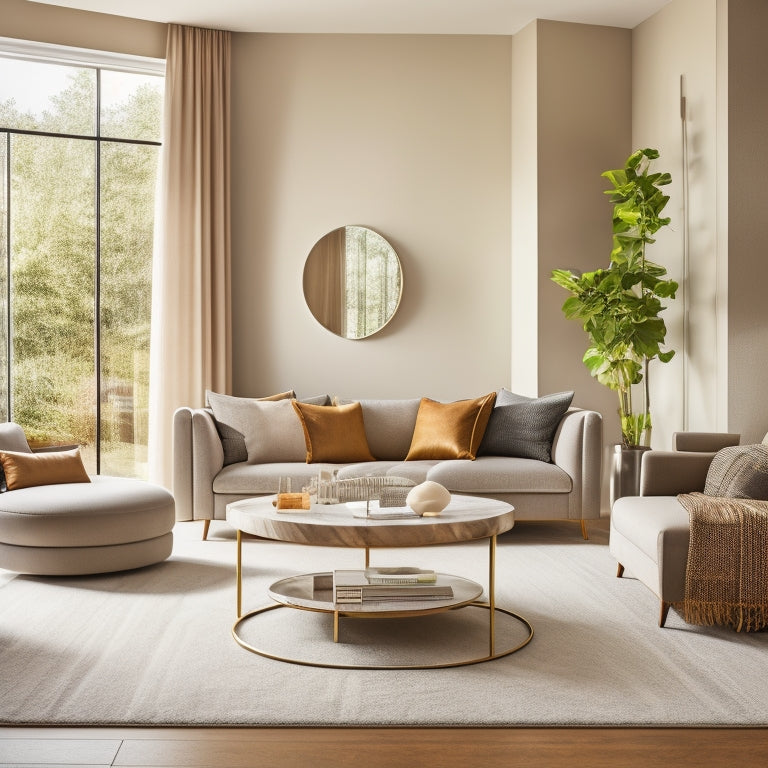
(383, 747)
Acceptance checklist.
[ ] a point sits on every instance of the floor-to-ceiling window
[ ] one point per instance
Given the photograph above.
(79, 148)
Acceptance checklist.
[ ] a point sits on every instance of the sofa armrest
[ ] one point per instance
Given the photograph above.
(707, 442)
(182, 463)
(198, 458)
(667, 473)
(578, 450)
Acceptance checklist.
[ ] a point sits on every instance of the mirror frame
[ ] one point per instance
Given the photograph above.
(326, 284)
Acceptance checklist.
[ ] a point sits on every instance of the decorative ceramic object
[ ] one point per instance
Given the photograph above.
(428, 499)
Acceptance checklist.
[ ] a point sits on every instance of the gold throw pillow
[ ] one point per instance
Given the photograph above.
(450, 430)
(334, 433)
(24, 470)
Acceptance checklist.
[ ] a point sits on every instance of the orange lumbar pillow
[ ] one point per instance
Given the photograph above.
(450, 430)
(334, 433)
(24, 470)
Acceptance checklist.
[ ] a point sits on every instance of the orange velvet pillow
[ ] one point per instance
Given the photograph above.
(450, 430)
(24, 470)
(334, 433)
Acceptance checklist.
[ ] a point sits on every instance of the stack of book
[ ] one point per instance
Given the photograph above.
(398, 584)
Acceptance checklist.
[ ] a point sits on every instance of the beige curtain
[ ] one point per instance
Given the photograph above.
(191, 324)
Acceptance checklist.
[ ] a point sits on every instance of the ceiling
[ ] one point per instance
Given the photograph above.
(469, 17)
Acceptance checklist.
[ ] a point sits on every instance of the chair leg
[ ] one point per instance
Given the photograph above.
(584, 531)
(619, 571)
(663, 611)
(206, 526)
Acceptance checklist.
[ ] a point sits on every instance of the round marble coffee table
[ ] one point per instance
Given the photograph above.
(466, 518)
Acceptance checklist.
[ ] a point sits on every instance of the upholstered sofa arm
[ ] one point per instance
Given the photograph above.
(577, 449)
(198, 458)
(667, 473)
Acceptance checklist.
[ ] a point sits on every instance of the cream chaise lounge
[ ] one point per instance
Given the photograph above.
(73, 528)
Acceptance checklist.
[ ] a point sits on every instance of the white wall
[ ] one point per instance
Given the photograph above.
(681, 40)
(524, 290)
(409, 135)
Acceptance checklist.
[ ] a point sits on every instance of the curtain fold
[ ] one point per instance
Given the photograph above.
(191, 322)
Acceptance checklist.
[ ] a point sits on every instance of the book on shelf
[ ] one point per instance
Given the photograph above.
(400, 574)
(353, 587)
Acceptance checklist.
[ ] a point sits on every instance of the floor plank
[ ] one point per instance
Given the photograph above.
(384, 747)
(58, 751)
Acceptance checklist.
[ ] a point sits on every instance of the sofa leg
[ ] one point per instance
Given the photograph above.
(584, 532)
(206, 526)
(619, 571)
(663, 611)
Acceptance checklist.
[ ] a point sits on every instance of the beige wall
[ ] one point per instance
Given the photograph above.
(584, 129)
(81, 29)
(408, 135)
(681, 42)
(748, 218)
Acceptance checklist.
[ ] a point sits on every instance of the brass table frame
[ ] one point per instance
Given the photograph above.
(490, 606)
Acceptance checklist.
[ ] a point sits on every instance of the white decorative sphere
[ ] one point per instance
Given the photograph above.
(428, 499)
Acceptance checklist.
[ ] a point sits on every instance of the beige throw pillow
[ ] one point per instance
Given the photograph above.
(231, 414)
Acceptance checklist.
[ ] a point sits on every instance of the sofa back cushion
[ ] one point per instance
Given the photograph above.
(389, 426)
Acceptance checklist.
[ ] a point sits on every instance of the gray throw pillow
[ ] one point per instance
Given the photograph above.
(739, 472)
(524, 427)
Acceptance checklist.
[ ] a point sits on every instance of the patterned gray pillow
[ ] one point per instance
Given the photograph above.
(739, 472)
(524, 426)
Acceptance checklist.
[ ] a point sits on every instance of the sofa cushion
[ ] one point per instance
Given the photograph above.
(450, 430)
(232, 416)
(334, 434)
(26, 470)
(389, 425)
(739, 471)
(253, 479)
(500, 474)
(641, 520)
(524, 426)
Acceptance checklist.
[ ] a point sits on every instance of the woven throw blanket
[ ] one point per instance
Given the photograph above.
(726, 580)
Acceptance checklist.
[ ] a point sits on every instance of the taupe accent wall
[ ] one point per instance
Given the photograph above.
(408, 135)
(584, 109)
(81, 29)
(747, 219)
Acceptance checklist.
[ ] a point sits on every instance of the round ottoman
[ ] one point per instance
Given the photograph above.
(109, 524)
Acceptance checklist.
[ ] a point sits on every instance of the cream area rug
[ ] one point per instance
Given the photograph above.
(154, 646)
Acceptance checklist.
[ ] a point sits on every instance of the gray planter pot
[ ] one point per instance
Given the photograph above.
(625, 471)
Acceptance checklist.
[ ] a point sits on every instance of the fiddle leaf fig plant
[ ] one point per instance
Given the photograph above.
(619, 307)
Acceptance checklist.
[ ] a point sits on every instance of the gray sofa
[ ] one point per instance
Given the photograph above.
(565, 488)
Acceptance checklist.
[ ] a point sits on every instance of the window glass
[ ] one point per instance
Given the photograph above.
(76, 239)
(130, 105)
(47, 97)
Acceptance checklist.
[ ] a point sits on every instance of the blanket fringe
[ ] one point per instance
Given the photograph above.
(742, 618)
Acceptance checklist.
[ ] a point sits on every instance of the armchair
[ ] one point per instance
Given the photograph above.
(649, 534)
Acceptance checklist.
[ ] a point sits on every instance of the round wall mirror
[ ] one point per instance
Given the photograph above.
(353, 282)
